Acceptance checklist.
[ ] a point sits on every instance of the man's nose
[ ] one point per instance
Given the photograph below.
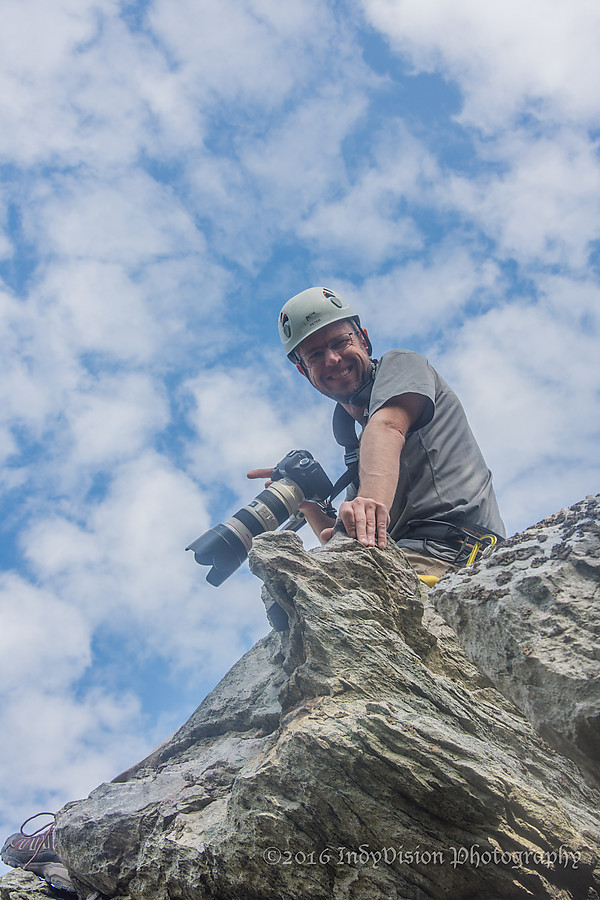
(331, 356)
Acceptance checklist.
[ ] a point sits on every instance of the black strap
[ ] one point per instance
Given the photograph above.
(344, 428)
(344, 431)
(443, 531)
(349, 476)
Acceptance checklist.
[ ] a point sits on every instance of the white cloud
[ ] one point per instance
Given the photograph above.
(132, 284)
(56, 744)
(425, 296)
(115, 419)
(250, 51)
(98, 308)
(33, 384)
(6, 247)
(245, 423)
(544, 206)
(365, 224)
(61, 747)
(120, 560)
(67, 76)
(508, 59)
(37, 39)
(128, 218)
(278, 176)
(34, 623)
(528, 376)
(88, 420)
(147, 504)
(307, 142)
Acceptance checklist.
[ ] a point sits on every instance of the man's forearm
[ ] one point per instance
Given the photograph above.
(380, 449)
(316, 518)
(367, 517)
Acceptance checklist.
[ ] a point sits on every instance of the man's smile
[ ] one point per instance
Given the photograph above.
(341, 374)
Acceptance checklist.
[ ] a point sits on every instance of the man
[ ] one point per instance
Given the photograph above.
(421, 476)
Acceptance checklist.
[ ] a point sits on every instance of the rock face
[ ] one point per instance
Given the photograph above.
(20, 885)
(529, 618)
(361, 755)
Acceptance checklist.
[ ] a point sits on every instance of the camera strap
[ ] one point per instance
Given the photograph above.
(344, 431)
(350, 476)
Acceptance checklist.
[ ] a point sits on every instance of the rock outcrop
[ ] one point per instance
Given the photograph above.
(529, 618)
(361, 754)
(20, 885)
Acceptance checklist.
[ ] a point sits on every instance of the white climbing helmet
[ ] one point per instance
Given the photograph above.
(309, 311)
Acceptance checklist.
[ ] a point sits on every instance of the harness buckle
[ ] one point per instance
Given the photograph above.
(483, 546)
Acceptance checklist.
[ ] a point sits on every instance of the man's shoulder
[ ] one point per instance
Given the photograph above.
(402, 361)
(402, 354)
(404, 372)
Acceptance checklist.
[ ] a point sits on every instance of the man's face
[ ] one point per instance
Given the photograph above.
(337, 373)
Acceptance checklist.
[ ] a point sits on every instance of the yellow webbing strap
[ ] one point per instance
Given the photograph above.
(429, 580)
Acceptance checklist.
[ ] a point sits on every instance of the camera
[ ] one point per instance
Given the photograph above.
(297, 477)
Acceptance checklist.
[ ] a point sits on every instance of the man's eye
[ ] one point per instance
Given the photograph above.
(338, 346)
(315, 358)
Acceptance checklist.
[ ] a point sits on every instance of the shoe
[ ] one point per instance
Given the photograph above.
(35, 853)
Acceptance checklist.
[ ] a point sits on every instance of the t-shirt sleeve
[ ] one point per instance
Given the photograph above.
(404, 372)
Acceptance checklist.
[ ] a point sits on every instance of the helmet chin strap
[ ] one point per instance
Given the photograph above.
(360, 398)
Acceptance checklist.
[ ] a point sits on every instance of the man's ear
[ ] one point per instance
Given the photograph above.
(366, 340)
(301, 370)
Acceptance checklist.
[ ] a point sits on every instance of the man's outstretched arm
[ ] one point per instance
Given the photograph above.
(366, 518)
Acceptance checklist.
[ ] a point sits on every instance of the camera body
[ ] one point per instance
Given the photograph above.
(305, 472)
(297, 477)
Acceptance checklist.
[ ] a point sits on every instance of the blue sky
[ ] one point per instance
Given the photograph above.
(173, 171)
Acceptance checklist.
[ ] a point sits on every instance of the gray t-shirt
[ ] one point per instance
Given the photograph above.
(443, 474)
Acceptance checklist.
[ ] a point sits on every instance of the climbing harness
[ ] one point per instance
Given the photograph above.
(461, 545)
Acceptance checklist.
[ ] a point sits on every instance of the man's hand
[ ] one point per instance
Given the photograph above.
(261, 473)
(366, 520)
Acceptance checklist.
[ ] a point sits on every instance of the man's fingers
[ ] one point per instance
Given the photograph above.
(383, 520)
(355, 518)
(260, 473)
(366, 520)
(347, 517)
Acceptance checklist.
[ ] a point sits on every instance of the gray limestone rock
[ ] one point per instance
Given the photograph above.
(529, 618)
(20, 885)
(357, 755)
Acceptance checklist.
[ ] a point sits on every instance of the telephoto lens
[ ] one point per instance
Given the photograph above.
(297, 477)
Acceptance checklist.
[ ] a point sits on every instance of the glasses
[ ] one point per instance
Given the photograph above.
(338, 345)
